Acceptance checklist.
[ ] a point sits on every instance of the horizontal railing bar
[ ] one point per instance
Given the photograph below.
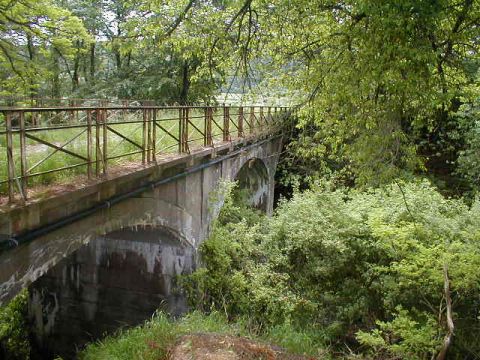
(115, 107)
(46, 128)
(57, 169)
(31, 129)
(126, 154)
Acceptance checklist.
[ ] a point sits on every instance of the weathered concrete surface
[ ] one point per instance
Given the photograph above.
(183, 206)
(255, 183)
(116, 280)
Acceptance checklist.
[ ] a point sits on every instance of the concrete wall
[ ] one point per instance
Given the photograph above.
(254, 183)
(116, 280)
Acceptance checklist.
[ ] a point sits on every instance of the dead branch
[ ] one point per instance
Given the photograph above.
(447, 340)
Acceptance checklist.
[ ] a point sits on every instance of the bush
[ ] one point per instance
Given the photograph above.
(14, 336)
(364, 269)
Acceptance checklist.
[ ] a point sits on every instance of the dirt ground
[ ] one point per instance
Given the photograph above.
(226, 347)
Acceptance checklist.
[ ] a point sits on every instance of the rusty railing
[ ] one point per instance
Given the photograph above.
(45, 144)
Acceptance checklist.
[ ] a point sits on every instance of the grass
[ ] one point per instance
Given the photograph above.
(116, 145)
(153, 339)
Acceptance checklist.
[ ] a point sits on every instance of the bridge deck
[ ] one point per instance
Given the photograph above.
(53, 149)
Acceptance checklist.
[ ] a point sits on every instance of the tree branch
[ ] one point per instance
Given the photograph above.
(447, 340)
(179, 19)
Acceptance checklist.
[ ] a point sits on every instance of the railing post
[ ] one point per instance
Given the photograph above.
(252, 118)
(144, 136)
(98, 150)
(34, 116)
(240, 121)
(226, 123)
(71, 112)
(262, 117)
(10, 164)
(208, 126)
(149, 142)
(23, 156)
(183, 129)
(154, 135)
(186, 118)
(124, 110)
(89, 144)
(105, 140)
(180, 130)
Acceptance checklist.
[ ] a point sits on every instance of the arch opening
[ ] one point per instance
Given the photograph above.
(116, 280)
(253, 184)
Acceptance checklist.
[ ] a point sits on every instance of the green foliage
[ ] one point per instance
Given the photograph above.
(14, 336)
(468, 118)
(33, 34)
(402, 337)
(336, 263)
(381, 81)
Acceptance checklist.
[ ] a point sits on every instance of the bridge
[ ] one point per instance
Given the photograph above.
(103, 206)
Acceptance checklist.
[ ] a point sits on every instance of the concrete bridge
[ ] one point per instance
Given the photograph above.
(108, 253)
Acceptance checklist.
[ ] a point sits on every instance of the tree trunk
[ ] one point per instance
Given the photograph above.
(33, 92)
(92, 63)
(118, 59)
(56, 75)
(185, 84)
(75, 76)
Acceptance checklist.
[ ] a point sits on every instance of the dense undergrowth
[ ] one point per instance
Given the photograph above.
(361, 271)
(335, 273)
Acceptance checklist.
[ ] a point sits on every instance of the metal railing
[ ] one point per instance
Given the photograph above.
(45, 144)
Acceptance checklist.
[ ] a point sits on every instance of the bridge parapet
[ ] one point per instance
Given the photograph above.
(44, 145)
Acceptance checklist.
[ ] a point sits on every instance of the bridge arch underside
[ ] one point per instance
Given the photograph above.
(119, 279)
(254, 184)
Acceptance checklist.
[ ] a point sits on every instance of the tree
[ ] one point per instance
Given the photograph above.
(380, 79)
(31, 33)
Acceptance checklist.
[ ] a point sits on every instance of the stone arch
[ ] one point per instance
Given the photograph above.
(254, 183)
(121, 277)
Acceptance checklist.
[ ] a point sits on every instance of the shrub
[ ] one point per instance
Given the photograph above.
(14, 336)
(360, 268)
